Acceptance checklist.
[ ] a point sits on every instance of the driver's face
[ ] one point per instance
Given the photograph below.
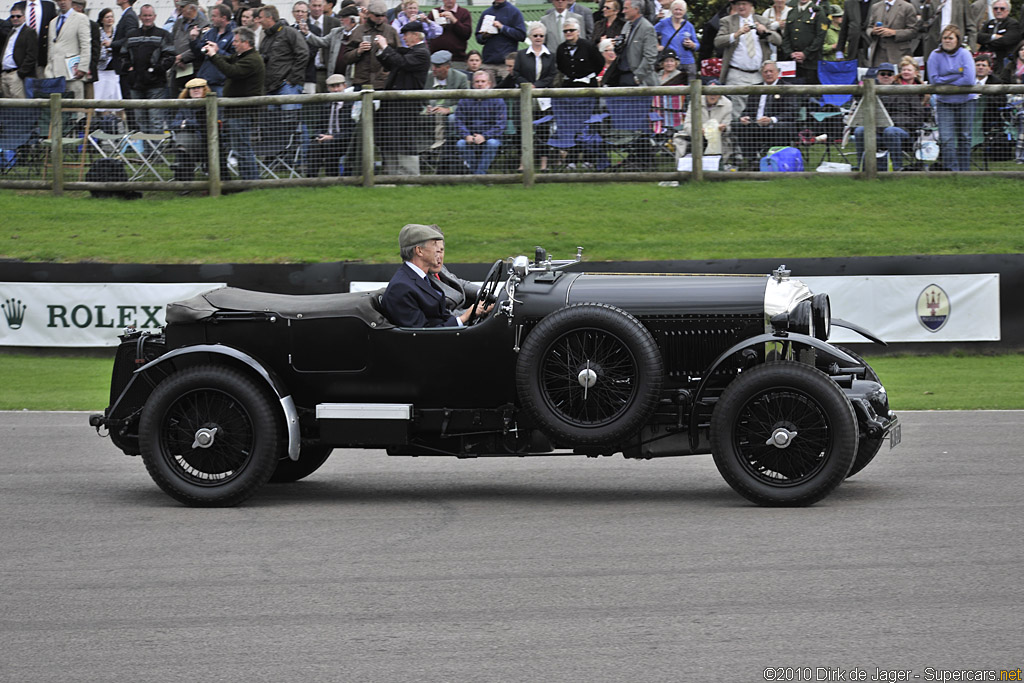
(432, 254)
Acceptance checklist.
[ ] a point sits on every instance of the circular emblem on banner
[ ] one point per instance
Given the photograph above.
(933, 308)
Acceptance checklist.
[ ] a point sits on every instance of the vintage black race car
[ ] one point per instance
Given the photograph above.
(242, 387)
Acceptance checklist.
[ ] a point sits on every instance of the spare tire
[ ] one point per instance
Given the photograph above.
(589, 374)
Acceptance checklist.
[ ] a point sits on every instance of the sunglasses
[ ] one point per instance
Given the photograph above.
(1000, 9)
(570, 30)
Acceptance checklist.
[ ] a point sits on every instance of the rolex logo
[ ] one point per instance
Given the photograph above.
(14, 311)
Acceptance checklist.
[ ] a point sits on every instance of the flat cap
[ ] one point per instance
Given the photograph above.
(196, 83)
(413, 26)
(378, 7)
(414, 233)
(441, 57)
(349, 11)
(335, 79)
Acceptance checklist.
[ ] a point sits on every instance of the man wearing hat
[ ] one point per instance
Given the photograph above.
(407, 70)
(746, 41)
(893, 25)
(907, 112)
(331, 132)
(442, 76)
(366, 70)
(332, 45)
(414, 298)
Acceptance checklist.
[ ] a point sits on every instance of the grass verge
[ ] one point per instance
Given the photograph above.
(784, 218)
(951, 382)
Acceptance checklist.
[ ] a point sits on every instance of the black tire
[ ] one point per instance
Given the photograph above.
(789, 396)
(310, 460)
(868, 446)
(242, 452)
(602, 343)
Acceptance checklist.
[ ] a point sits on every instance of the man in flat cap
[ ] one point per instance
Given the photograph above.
(414, 297)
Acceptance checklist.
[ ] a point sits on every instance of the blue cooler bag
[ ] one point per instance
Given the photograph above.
(783, 160)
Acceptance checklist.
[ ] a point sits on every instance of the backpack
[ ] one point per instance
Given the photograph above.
(108, 170)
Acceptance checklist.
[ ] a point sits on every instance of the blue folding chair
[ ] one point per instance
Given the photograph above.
(837, 73)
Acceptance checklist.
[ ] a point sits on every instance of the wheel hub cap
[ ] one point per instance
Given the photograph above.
(780, 438)
(204, 437)
(587, 378)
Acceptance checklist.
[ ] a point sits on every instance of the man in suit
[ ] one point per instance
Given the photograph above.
(768, 119)
(331, 132)
(1001, 34)
(803, 37)
(324, 23)
(330, 47)
(128, 22)
(413, 297)
(746, 41)
(19, 52)
(853, 42)
(38, 15)
(938, 14)
(639, 54)
(554, 22)
(69, 37)
(300, 12)
(892, 40)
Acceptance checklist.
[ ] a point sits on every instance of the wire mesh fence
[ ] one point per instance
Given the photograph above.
(511, 135)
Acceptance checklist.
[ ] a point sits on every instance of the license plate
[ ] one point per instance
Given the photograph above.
(895, 435)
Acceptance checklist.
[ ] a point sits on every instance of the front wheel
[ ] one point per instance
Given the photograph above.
(783, 433)
(209, 436)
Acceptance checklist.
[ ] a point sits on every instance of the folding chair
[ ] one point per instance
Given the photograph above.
(627, 130)
(570, 133)
(18, 131)
(144, 152)
(837, 73)
(277, 161)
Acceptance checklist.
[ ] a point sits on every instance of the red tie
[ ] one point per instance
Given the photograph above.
(32, 16)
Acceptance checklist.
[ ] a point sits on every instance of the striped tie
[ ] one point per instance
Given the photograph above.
(32, 17)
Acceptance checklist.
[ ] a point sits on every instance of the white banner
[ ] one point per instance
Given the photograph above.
(914, 308)
(85, 314)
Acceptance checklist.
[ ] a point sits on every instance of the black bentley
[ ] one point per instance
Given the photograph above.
(241, 387)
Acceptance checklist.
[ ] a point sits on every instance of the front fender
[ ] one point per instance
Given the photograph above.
(291, 415)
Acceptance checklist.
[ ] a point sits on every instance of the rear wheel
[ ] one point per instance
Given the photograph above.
(310, 460)
(209, 436)
(783, 433)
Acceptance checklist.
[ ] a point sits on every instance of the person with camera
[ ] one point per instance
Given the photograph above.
(411, 12)
(638, 48)
(221, 33)
(245, 78)
(747, 41)
(359, 51)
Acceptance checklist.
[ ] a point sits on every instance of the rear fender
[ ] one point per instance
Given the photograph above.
(288, 411)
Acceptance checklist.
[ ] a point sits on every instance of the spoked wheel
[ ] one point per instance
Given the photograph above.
(783, 434)
(208, 436)
(310, 460)
(868, 446)
(589, 374)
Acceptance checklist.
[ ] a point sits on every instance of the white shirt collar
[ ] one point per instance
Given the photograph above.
(416, 269)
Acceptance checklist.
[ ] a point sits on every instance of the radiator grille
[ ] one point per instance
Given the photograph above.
(689, 346)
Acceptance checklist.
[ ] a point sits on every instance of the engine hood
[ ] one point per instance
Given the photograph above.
(672, 294)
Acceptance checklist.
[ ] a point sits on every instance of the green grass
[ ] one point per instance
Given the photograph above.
(949, 382)
(818, 217)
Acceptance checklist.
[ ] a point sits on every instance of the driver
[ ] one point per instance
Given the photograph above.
(414, 297)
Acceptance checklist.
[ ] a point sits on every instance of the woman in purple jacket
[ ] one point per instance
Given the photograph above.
(951, 64)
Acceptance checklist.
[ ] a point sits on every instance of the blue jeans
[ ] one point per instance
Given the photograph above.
(239, 138)
(479, 157)
(150, 120)
(287, 89)
(955, 122)
(890, 139)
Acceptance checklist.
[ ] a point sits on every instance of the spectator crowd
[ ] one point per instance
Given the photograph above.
(242, 49)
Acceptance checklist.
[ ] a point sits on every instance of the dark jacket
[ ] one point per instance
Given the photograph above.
(285, 55)
(583, 62)
(204, 67)
(455, 36)
(906, 111)
(779, 106)
(310, 73)
(149, 53)
(367, 69)
(94, 57)
(26, 51)
(408, 66)
(602, 30)
(483, 117)
(805, 32)
(128, 22)
(410, 301)
(50, 12)
(525, 69)
(507, 39)
(245, 75)
(999, 37)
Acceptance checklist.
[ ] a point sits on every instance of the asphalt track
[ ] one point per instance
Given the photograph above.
(542, 569)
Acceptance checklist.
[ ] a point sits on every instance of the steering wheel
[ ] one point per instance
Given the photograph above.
(487, 292)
